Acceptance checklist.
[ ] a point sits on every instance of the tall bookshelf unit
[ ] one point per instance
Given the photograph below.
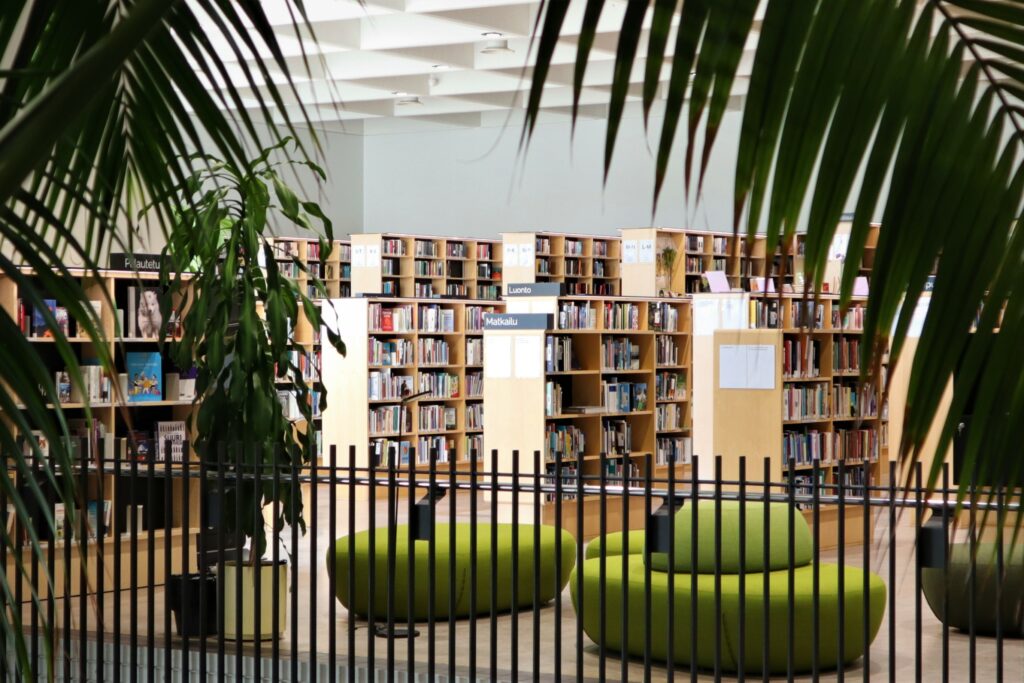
(421, 266)
(584, 264)
(119, 426)
(334, 271)
(399, 347)
(614, 381)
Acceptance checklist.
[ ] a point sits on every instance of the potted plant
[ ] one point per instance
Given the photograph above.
(237, 332)
(665, 263)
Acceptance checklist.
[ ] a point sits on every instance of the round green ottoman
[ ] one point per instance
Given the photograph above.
(548, 586)
(614, 545)
(1010, 606)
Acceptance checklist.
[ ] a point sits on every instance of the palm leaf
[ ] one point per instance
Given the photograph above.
(904, 109)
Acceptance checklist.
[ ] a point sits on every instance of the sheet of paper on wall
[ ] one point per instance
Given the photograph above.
(646, 248)
(517, 305)
(718, 283)
(860, 286)
(629, 251)
(510, 255)
(358, 255)
(498, 352)
(839, 246)
(705, 317)
(526, 256)
(746, 366)
(529, 354)
(372, 255)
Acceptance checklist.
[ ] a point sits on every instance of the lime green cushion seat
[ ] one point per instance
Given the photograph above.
(547, 587)
(778, 615)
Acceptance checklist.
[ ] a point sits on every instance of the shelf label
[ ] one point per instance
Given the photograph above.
(646, 251)
(629, 249)
(358, 255)
(534, 289)
(372, 255)
(517, 321)
(526, 256)
(510, 255)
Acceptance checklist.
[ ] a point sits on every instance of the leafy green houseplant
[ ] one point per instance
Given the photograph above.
(238, 327)
(665, 265)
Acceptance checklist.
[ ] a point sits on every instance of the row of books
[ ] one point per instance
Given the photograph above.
(392, 247)
(617, 437)
(808, 314)
(543, 266)
(456, 290)
(848, 401)
(719, 264)
(563, 442)
(673, 450)
(439, 384)
(384, 385)
(475, 317)
(97, 516)
(801, 357)
(852, 445)
(846, 355)
(488, 271)
(483, 250)
(600, 268)
(574, 268)
(666, 351)
(433, 351)
(390, 266)
(621, 316)
(573, 288)
(455, 250)
(344, 252)
(670, 386)
(764, 314)
(542, 245)
(488, 291)
(573, 247)
(662, 317)
(668, 417)
(390, 420)
(694, 265)
(805, 401)
(600, 248)
(397, 318)
(474, 351)
(438, 448)
(604, 289)
(720, 246)
(616, 468)
(425, 248)
(558, 354)
(422, 290)
(624, 397)
(695, 243)
(433, 318)
(853, 320)
(428, 268)
(619, 353)
(568, 480)
(436, 417)
(391, 352)
(474, 385)
(573, 315)
(475, 416)
(552, 398)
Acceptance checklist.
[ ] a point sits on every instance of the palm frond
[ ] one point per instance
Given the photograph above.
(908, 110)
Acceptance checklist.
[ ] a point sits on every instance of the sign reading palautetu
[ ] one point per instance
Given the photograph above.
(143, 262)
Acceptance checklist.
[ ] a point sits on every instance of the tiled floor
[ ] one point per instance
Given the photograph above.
(314, 617)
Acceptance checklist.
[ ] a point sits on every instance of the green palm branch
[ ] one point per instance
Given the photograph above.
(911, 109)
(101, 103)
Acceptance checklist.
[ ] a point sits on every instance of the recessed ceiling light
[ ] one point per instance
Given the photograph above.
(495, 44)
(441, 67)
(408, 101)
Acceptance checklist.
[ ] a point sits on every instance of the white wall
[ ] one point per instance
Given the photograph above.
(475, 182)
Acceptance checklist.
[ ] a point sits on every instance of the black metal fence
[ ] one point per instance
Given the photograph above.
(459, 572)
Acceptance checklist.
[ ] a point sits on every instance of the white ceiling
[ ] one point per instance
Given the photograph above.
(370, 58)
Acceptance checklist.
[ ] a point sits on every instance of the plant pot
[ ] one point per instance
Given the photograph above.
(245, 575)
(183, 594)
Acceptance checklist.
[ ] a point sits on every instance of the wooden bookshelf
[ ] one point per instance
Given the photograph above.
(334, 270)
(671, 261)
(397, 346)
(585, 264)
(422, 266)
(598, 352)
(116, 423)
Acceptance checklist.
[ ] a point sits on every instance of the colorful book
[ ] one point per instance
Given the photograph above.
(140, 445)
(39, 328)
(145, 376)
(173, 433)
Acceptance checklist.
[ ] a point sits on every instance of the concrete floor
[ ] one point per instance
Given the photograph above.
(314, 614)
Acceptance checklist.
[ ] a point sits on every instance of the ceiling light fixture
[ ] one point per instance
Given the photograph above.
(408, 101)
(495, 44)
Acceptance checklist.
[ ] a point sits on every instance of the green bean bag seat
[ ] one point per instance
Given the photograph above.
(776, 604)
(1009, 606)
(548, 586)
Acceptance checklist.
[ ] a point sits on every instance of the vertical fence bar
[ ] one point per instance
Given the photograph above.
(83, 573)
(790, 569)
(1000, 520)
(186, 584)
(626, 485)
(222, 512)
(101, 568)
(741, 646)
(514, 645)
(67, 612)
(868, 537)
(718, 567)
(648, 633)
(815, 573)
(432, 567)
(579, 564)
(332, 579)
(452, 490)
(391, 558)
(694, 544)
(558, 571)
(256, 558)
(972, 579)
(13, 541)
(295, 503)
(371, 542)
(473, 573)
(17, 608)
(275, 579)
(410, 588)
(892, 570)
(841, 569)
(536, 563)
(239, 475)
(492, 631)
(34, 574)
(314, 560)
(51, 603)
(602, 563)
(918, 516)
(670, 659)
(168, 540)
(201, 553)
(350, 537)
(766, 585)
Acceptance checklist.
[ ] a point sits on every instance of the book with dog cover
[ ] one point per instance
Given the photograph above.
(144, 316)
